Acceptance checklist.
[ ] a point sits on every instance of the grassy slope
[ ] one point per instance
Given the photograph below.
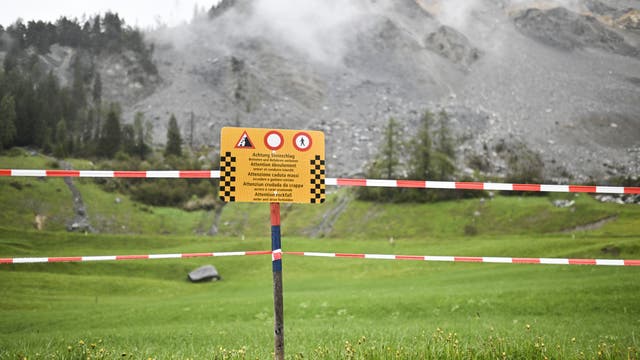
(334, 308)
(52, 198)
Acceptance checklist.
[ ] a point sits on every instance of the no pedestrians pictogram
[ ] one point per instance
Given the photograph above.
(302, 141)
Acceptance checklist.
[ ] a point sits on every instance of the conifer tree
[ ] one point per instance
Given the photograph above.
(174, 139)
(128, 139)
(141, 147)
(389, 160)
(386, 165)
(443, 158)
(7, 121)
(445, 143)
(60, 147)
(97, 102)
(421, 147)
(110, 138)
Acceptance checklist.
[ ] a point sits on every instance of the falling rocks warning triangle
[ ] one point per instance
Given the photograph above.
(244, 142)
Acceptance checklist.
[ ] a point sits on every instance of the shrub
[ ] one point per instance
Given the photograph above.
(470, 230)
(523, 164)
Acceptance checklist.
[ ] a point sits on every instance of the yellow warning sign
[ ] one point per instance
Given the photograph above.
(272, 165)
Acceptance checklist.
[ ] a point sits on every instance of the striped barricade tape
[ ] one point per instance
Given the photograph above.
(416, 184)
(32, 260)
(458, 185)
(277, 255)
(473, 259)
(148, 174)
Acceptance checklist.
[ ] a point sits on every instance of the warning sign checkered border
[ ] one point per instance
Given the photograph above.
(227, 177)
(318, 186)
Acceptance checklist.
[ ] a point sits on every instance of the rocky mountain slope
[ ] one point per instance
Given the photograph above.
(561, 76)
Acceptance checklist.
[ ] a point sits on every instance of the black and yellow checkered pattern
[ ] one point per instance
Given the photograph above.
(318, 186)
(227, 177)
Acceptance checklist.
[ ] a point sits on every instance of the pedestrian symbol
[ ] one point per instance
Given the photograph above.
(302, 141)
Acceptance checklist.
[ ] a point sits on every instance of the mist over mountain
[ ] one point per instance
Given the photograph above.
(562, 77)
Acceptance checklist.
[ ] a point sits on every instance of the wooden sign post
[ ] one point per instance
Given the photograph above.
(278, 304)
(274, 166)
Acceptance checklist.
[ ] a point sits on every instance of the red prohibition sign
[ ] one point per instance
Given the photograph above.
(273, 140)
(302, 141)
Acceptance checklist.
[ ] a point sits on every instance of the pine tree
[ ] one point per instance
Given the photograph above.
(48, 105)
(141, 147)
(386, 165)
(87, 127)
(445, 143)
(148, 132)
(174, 139)
(96, 36)
(421, 148)
(97, 90)
(78, 91)
(97, 103)
(60, 147)
(432, 161)
(390, 154)
(110, 138)
(192, 122)
(7, 121)
(2, 40)
(128, 139)
(443, 158)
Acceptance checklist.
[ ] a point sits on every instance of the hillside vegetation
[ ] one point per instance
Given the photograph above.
(51, 84)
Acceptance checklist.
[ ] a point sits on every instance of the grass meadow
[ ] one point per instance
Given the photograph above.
(335, 308)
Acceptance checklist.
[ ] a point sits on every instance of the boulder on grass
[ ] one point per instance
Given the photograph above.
(204, 273)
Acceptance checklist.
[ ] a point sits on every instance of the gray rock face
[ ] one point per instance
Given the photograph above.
(556, 79)
(567, 30)
(600, 8)
(80, 221)
(204, 273)
(453, 45)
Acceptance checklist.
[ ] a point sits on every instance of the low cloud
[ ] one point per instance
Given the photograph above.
(320, 29)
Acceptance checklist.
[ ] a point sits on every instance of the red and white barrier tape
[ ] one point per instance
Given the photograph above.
(151, 174)
(278, 255)
(32, 260)
(419, 184)
(499, 260)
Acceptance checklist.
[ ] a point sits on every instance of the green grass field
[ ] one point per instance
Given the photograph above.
(334, 308)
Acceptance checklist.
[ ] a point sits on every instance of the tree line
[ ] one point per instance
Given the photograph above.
(72, 120)
(428, 154)
(106, 34)
(37, 110)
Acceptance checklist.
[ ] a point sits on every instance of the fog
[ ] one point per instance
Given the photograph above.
(317, 28)
(323, 30)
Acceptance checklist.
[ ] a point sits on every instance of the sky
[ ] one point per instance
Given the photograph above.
(142, 13)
